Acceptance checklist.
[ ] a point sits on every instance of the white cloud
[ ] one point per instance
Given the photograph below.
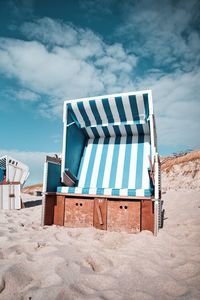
(65, 62)
(62, 61)
(26, 95)
(164, 32)
(177, 107)
(51, 32)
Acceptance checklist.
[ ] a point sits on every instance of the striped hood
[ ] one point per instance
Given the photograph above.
(118, 110)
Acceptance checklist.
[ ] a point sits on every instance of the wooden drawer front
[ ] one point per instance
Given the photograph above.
(148, 215)
(123, 216)
(78, 212)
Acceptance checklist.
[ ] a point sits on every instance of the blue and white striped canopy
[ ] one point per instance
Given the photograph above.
(112, 116)
(114, 132)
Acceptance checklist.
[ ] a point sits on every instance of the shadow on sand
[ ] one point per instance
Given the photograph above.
(32, 203)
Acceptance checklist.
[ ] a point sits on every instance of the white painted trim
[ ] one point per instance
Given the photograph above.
(152, 137)
(44, 189)
(64, 111)
(6, 200)
(156, 177)
(110, 96)
(155, 217)
(150, 98)
(64, 140)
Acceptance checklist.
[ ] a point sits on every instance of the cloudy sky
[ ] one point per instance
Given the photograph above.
(51, 51)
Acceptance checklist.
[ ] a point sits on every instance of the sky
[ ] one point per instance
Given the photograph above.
(51, 51)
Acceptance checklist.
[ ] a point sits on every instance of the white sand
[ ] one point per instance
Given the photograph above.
(61, 263)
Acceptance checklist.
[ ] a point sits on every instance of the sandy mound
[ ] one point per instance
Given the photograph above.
(32, 189)
(181, 172)
(61, 263)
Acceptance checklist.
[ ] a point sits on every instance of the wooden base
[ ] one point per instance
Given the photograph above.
(113, 214)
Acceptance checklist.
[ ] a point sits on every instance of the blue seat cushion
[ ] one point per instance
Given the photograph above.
(105, 191)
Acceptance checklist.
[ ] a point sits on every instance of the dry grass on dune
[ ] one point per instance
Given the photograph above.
(168, 162)
(181, 172)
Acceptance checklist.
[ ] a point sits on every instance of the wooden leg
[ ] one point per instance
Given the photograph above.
(49, 203)
(59, 210)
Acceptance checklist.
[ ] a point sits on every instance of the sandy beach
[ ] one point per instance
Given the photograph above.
(61, 263)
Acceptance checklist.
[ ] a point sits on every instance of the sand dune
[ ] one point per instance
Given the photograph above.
(31, 189)
(61, 263)
(181, 172)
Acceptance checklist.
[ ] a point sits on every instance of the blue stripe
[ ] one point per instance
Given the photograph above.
(114, 162)
(81, 162)
(101, 191)
(85, 190)
(71, 190)
(95, 132)
(132, 192)
(85, 132)
(148, 193)
(107, 110)
(120, 108)
(103, 162)
(146, 105)
(95, 111)
(106, 131)
(127, 159)
(115, 192)
(139, 166)
(117, 130)
(128, 129)
(91, 163)
(59, 189)
(83, 114)
(134, 107)
(72, 115)
(140, 129)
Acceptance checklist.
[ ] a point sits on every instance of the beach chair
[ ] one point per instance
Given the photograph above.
(13, 175)
(109, 176)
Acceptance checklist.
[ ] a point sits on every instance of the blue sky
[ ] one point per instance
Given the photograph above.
(51, 51)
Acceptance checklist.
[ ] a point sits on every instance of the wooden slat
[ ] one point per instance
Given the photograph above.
(59, 209)
(147, 215)
(123, 216)
(49, 209)
(9, 183)
(53, 159)
(100, 213)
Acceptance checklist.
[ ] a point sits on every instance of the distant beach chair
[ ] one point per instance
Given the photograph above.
(13, 175)
(109, 176)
